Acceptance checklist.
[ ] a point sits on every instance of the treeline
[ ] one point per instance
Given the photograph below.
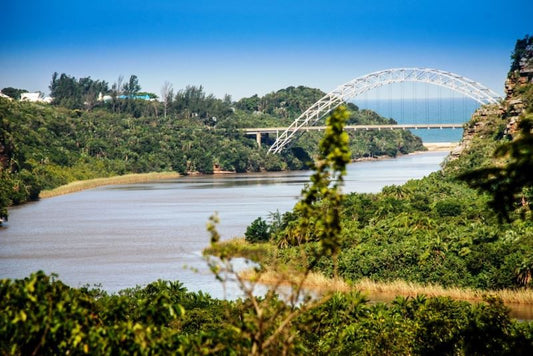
(43, 147)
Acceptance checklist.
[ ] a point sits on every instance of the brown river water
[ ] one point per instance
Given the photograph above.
(121, 236)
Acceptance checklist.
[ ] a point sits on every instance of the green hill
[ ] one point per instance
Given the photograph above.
(44, 146)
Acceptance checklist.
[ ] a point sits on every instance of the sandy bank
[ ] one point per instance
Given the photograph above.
(98, 182)
(440, 146)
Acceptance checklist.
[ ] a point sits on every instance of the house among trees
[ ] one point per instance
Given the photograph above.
(138, 96)
(36, 97)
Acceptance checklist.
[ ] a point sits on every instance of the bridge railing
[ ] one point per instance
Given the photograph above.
(259, 131)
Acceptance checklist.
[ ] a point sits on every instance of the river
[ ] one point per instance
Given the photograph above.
(117, 237)
(127, 235)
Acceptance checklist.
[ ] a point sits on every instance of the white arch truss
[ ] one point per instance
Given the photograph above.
(358, 86)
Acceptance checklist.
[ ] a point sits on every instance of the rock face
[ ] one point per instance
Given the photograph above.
(510, 109)
(476, 127)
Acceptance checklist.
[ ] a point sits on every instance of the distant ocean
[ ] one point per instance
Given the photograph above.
(425, 111)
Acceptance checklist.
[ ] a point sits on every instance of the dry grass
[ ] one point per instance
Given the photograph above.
(523, 296)
(386, 290)
(93, 183)
(283, 274)
(314, 281)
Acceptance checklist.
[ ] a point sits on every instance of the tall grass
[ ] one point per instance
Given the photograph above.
(387, 290)
(97, 182)
(279, 273)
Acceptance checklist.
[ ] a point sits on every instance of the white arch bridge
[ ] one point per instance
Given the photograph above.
(360, 85)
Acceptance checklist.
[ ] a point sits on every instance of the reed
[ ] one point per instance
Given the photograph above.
(314, 281)
(282, 273)
(97, 182)
(386, 290)
(398, 287)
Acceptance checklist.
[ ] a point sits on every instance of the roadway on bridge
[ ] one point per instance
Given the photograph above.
(265, 130)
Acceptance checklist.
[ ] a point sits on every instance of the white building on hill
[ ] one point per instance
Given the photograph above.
(36, 97)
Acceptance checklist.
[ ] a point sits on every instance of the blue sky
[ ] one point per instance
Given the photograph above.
(248, 47)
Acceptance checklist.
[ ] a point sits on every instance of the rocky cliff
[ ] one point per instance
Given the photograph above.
(489, 119)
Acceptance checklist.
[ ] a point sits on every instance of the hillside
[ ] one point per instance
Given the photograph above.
(44, 146)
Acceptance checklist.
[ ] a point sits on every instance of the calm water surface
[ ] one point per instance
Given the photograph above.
(128, 235)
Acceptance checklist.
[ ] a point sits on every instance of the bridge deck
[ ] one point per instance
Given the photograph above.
(264, 130)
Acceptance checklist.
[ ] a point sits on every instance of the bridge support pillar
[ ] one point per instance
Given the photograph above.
(258, 139)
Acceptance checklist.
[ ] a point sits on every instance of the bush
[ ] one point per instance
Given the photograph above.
(258, 231)
(448, 208)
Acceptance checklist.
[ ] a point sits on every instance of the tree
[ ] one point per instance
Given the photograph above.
(258, 231)
(13, 92)
(65, 91)
(132, 87)
(91, 89)
(116, 91)
(75, 93)
(523, 51)
(166, 96)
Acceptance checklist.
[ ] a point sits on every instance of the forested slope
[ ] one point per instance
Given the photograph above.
(44, 146)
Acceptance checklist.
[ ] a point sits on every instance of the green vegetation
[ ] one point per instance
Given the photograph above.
(258, 231)
(522, 52)
(41, 315)
(439, 230)
(432, 231)
(511, 182)
(81, 137)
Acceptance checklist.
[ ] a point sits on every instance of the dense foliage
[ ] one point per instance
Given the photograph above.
(82, 137)
(40, 315)
(522, 53)
(438, 229)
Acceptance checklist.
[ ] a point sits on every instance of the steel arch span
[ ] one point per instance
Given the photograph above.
(358, 86)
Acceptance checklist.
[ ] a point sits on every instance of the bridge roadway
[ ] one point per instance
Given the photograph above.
(268, 130)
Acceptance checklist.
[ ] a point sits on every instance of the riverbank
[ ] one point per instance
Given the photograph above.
(321, 284)
(440, 146)
(519, 302)
(78, 186)
(383, 291)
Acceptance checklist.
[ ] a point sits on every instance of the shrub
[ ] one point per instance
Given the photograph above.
(448, 208)
(258, 231)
